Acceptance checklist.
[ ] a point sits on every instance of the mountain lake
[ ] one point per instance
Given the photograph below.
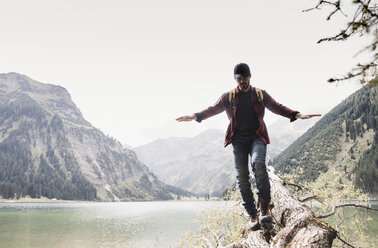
(103, 224)
(98, 224)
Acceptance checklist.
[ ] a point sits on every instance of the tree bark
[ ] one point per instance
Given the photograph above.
(253, 239)
(300, 227)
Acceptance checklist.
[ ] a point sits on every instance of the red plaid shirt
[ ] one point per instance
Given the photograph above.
(223, 103)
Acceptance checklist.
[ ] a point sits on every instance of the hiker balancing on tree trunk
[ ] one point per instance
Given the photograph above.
(247, 132)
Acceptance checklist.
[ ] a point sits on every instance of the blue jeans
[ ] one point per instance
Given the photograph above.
(245, 146)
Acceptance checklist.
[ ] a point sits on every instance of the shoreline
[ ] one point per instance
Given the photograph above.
(36, 200)
(47, 200)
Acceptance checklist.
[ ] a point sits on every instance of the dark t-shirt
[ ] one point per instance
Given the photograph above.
(246, 118)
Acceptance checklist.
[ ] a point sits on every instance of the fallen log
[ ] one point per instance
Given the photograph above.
(299, 226)
(253, 239)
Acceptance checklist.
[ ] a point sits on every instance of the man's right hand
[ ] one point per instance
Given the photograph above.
(186, 118)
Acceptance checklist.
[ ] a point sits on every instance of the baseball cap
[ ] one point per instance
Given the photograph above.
(241, 70)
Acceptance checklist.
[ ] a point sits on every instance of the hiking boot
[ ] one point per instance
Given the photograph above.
(254, 222)
(253, 225)
(265, 219)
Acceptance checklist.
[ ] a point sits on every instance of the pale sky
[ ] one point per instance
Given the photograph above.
(132, 67)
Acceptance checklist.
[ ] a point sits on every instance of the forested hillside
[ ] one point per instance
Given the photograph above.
(344, 139)
(366, 171)
(48, 149)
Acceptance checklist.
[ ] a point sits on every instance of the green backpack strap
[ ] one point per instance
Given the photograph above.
(231, 96)
(259, 94)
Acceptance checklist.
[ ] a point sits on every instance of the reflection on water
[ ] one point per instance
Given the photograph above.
(131, 224)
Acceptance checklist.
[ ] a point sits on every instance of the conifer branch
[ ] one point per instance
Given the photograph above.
(364, 22)
(340, 223)
(342, 240)
(362, 71)
(208, 243)
(301, 187)
(311, 197)
(216, 237)
(344, 205)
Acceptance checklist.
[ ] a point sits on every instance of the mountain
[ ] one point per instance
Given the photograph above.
(282, 133)
(345, 140)
(201, 164)
(48, 149)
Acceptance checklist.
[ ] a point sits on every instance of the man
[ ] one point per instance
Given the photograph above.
(248, 135)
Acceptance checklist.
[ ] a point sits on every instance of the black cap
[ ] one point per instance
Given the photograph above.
(241, 70)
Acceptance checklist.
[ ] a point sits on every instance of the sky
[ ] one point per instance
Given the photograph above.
(133, 67)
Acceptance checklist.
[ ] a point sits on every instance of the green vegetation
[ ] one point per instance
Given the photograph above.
(218, 226)
(20, 174)
(366, 171)
(223, 226)
(178, 191)
(19, 177)
(353, 224)
(318, 147)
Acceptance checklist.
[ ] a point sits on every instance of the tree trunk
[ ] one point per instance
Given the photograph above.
(300, 227)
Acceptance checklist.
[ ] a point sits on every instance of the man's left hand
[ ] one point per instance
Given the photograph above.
(304, 117)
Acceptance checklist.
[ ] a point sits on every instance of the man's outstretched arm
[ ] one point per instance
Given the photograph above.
(186, 118)
(193, 117)
(217, 108)
(280, 109)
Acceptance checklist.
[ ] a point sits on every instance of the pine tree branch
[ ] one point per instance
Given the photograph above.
(208, 243)
(292, 184)
(321, 3)
(362, 70)
(367, 9)
(344, 205)
(342, 240)
(337, 9)
(301, 187)
(311, 197)
(216, 237)
(364, 22)
(341, 222)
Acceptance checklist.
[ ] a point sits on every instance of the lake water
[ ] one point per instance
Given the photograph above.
(121, 224)
(109, 224)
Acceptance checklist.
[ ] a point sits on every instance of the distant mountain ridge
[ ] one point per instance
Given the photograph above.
(199, 164)
(48, 149)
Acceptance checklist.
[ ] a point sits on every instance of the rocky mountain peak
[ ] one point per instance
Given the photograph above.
(20, 83)
(52, 98)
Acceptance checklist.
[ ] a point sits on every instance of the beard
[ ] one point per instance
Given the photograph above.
(244, 86)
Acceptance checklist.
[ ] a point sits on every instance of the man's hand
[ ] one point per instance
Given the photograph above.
(304, 117)
(186, 118)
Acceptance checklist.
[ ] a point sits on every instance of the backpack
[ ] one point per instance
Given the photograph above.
(231, 96)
